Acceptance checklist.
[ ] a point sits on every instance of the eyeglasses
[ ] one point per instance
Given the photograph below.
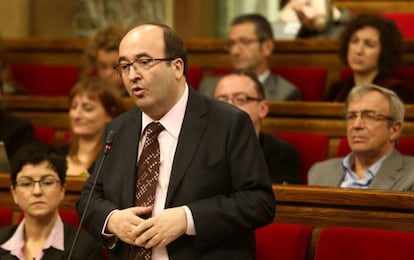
(27, 184)
(368, 116)
(238, 99)
(243, 42)
(142, 63)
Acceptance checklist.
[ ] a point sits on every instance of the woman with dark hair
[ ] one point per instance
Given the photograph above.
(93, 102)
(371, 46)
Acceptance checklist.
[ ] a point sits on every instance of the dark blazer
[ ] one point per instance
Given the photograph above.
(218, 171)
(282, 159)
(395, 174)
(15, 132)
(275, 87)
(339, 91)
(86, 247)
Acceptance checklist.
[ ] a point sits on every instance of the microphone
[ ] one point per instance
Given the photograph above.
(107, 148)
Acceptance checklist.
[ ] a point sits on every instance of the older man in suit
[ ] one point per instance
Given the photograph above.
(212, 184)
(250, 46)
(374, 117)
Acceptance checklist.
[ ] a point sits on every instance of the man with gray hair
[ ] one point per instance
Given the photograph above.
(374, 117)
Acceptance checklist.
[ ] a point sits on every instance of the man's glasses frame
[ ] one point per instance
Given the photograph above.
(143, 63)
(367, 116)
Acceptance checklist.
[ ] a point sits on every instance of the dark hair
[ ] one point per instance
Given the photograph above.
(390, 39)
(174, 46)
(262, 26)
(250, 74)
(36, 153)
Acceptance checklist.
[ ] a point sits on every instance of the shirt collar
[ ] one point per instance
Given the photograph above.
(16, 242)
(171, 121)
(262, 77)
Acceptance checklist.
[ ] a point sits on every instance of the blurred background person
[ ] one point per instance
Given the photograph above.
(9, 86)
(37, 175)
(242, 89)
(102, 53)
(371, 46)
(250, 46)
(14, 131)
(93, 102)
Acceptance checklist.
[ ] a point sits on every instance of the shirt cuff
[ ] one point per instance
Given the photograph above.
(190, 230)
(110, 238)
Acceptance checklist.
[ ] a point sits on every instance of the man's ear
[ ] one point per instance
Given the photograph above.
(395, 130)
(263, 109)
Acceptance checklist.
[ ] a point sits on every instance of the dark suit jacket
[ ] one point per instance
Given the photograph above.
(275, 87)
(282, 159)
(339, 91)
(395, 174)
(15, 132)
(86, 247)
(218, 171)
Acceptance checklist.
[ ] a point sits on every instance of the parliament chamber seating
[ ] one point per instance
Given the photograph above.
(282, 241)
(45, 134)
(45, 80)
(6, 215)
(312, 148)
(194, 76)
(344, 243)
(404, 21)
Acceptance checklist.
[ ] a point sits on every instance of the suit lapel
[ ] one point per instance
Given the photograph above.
(192, 129)
(130, 150)
(389, 173)
(337, 175)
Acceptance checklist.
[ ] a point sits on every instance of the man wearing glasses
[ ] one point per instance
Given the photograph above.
(243, 89)
(374, 118)
(250, 46)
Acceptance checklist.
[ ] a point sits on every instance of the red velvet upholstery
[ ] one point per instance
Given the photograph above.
(312, 148)
(310, 80)
(404, 21)
(405, 146)
(45, 134)
(344, 243)
(194, 75)
(5, 217)
(45, 80)
(282, 241)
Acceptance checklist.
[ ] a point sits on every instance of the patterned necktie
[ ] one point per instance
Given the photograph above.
(147, 178)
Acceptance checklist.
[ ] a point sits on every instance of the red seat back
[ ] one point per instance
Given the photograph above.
(404, 21)
(194, 75)
(344, 243)
(45, 134)
(5, 217)
(282, 241)
(312, 148)
(45, 80)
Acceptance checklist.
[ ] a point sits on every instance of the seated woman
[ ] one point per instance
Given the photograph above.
(37, 175)
(372, 47)
(93, 103)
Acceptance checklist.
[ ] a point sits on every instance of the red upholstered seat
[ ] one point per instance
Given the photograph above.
(404, 21)
(405, 146)
(282, 241)
(312, 148)
(194, 75)
(344, 243)
(45, 134)
(310, 80)
(5, 217)
(45, 80)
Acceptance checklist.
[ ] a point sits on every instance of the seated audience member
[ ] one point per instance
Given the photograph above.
(372, 47)
(10, 87)
(318, 18)
(250, 46)
(243, 90)
(102, 53)
(14, 131)
(37, 175)
(374, 118)
(93, 103)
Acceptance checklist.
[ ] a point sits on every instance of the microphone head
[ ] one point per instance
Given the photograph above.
(110, 137)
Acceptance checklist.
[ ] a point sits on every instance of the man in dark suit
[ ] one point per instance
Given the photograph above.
(250, 46)
(244, 90)
(213, 187)
(374, 117)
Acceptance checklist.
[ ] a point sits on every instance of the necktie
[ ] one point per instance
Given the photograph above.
(147, 178)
